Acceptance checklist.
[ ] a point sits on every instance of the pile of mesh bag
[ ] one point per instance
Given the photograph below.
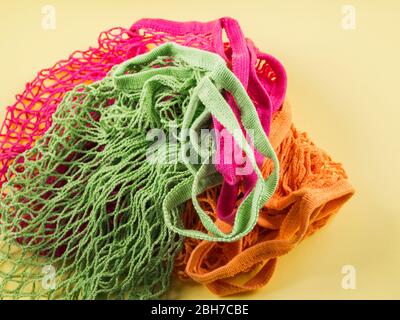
(167, 151)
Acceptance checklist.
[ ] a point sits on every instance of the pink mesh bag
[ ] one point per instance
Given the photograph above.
(261, 74)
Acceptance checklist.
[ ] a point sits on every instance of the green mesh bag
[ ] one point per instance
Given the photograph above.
(87, 214)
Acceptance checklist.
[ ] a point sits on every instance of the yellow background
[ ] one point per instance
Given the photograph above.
(344, 89)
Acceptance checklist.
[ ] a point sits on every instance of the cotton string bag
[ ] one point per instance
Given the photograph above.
(312, 188)
(87, 201)
(261, 74)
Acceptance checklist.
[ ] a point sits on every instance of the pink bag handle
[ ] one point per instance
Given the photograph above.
(244, 58)
(271, 103)
(243, 62)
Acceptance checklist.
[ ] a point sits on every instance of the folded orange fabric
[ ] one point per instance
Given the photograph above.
(312, 188)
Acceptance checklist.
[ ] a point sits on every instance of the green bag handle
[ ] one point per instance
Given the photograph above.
(208, 92)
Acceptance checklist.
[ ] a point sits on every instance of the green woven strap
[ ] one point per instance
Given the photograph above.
(208, 93)
(207, 176)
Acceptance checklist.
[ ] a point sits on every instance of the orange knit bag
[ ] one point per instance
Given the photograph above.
(312, 188)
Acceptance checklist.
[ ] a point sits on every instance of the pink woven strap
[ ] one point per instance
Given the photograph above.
(243, 57)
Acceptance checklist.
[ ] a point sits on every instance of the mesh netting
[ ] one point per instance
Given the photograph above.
(30, 116)
(312, 187)
(86, 201)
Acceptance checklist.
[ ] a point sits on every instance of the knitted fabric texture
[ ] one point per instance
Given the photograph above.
(30, 116)
(87, 200)
(312, 187)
